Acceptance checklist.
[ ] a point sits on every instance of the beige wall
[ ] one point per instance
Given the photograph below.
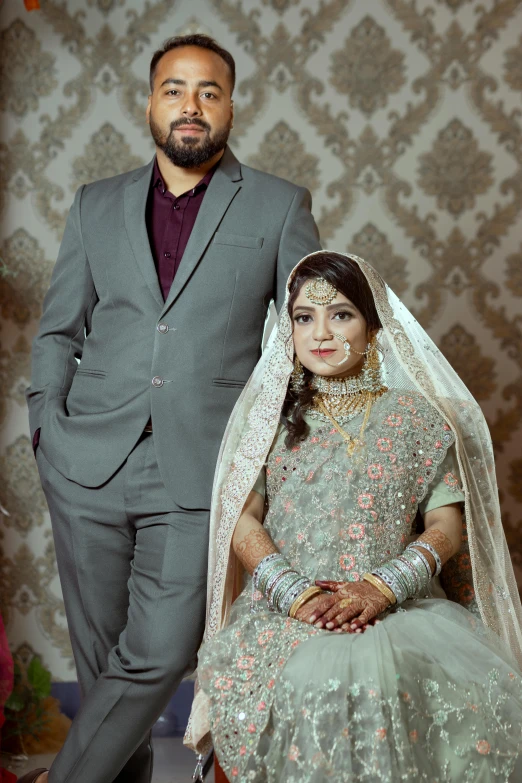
(401, 117)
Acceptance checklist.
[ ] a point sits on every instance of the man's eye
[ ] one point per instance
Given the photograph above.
(208, 95)
(172, 92)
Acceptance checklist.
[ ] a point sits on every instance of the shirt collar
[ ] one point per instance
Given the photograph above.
(159, 183)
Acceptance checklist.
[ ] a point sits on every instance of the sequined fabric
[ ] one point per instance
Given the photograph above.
(481, 577)
(360, 510)
(289, 702)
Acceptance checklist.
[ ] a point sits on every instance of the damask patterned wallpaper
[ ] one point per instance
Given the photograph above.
(401, 116)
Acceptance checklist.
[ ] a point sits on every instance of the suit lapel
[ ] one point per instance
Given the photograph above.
(135, 203)
(223, 187)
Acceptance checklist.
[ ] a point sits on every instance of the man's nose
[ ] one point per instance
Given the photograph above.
(191, 108)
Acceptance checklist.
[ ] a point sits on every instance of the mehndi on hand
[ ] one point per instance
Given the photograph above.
(357, 604)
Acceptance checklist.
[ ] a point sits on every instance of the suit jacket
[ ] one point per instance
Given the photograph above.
(110, 352)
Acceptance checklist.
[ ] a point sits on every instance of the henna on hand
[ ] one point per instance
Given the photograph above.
(439, 541)
(316, 605)
(256, 545)
(366, 603)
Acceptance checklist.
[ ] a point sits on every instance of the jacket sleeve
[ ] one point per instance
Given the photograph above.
(67, 311)
(298, 238)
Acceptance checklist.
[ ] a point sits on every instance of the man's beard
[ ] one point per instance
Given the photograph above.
(191, 151)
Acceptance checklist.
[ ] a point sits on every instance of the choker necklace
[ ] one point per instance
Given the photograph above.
(338, 400)
(340, 387)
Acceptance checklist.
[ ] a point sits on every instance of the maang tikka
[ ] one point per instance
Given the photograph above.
(320, 292)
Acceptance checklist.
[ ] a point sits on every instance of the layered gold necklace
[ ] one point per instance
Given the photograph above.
(342, 399)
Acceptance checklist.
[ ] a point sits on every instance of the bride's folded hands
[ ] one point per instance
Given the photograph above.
(356, 605)
(317, 606)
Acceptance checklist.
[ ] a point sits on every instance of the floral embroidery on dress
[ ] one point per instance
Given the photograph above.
(369, 517)
(327, 528)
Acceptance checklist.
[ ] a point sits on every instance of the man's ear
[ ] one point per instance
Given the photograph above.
(147, 110)
(232, 110)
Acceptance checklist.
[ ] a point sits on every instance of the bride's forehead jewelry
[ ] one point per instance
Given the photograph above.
(320, 292)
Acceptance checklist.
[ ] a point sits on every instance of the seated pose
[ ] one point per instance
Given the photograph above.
(376, 636)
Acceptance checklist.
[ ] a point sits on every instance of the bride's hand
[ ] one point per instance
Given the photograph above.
(356, 605)
(317, 605)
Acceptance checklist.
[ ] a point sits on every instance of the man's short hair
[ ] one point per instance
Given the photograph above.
(196, 39)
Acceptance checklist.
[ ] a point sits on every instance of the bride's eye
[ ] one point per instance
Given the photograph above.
(344, 315)
(304, 318)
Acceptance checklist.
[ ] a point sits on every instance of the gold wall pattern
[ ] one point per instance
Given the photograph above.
(401, 116)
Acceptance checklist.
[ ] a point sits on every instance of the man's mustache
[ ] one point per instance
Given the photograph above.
(180, 123)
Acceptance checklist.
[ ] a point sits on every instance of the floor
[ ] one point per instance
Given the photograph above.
(173, 763)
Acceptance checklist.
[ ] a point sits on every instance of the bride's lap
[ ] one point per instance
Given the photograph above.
(427, 637)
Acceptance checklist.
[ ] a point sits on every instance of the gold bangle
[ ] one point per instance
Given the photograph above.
(381, 586)
(303, 598)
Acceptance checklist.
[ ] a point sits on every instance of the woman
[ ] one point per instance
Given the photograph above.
(349, 476)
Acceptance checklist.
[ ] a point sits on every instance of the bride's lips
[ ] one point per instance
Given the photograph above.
(323, 351)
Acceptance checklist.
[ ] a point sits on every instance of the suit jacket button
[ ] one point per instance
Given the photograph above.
(157, 381)
(162, 328)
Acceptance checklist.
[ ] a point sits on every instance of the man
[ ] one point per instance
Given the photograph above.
(151, 327)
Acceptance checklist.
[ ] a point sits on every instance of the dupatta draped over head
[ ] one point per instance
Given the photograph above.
(480, 577)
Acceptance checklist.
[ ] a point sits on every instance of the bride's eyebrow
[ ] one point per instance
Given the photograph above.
(328, 307)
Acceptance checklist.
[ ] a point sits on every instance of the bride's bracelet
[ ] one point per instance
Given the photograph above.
(381, 587)
(305, 596)
(431, 549)
(407, 576)
(275, 578)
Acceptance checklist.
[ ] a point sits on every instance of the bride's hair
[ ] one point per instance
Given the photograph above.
(347, 277)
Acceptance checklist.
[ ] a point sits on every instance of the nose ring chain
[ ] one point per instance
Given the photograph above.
(348, 348)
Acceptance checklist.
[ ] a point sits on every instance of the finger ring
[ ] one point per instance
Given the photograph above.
(345, 602)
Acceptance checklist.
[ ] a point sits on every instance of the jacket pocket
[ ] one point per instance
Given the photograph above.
(229, 383)
(239, 240)
(91, 373)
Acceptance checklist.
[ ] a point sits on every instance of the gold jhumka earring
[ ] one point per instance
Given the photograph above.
(297, 376)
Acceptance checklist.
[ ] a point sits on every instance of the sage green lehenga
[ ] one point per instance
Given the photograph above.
(433, 693)
(426, 695)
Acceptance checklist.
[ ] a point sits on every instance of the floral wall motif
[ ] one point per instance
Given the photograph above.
(401, 116)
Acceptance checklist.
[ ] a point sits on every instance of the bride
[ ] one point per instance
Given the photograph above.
(376, 636)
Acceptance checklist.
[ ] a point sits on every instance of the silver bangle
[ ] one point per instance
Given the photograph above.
(412, 576)
(272, 582)
(389, 579)
(269, 565)
(424, 560)
(419, 567)
(294, 592)
(424, 580)
(433, 552)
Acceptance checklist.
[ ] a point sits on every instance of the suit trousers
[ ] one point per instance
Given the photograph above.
(133, 570)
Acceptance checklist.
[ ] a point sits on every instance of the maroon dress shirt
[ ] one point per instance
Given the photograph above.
(170, 221)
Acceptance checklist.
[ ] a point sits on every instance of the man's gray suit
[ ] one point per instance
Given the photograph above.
(130, 511)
